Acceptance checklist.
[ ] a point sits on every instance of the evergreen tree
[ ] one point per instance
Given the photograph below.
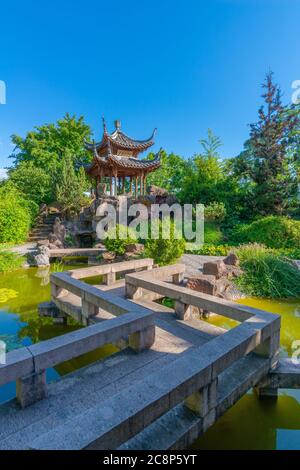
(70, 187)
(266, 159)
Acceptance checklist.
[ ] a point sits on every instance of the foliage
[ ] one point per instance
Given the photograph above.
(117, 239)
(15, 215)
(46, 144)
(215, 211)
(10, 261)
(269, 158)
(70, 187)
(57, 267)
(45, 147)
(171, 172)
(212, 233)
(273, 231)
(213, 250)
(266, 274)
(33, 182)
(69, 240)
(165, 250)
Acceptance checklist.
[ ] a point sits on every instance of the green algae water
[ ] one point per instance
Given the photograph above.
(20, 325)
(253, 423)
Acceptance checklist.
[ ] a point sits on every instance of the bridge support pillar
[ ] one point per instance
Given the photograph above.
(88, 310)
(183, 311)
(109, 278)
(178, 278)
(57, 291)
(270, 348)
(143, 339)
(203, 401)
(133, 292)
(31, 389)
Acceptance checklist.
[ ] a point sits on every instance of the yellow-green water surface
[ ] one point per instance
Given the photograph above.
(20, 293)
(255, 423)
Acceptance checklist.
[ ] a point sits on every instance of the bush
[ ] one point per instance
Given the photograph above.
(273, 231)
(212, 233)
(10, 261)
(16, 215)
(165, 251)
(215, 212)
(118, 238)
(267, 274)
(212, 250)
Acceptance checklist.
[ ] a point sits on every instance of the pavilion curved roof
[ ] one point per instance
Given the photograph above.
(122, 141)
(128, 165)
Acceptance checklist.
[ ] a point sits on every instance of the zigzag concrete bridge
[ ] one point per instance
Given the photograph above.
(173, 377)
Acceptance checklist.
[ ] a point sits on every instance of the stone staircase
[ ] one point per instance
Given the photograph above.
(43, 227)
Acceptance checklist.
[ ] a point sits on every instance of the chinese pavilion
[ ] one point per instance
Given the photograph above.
(116, 161)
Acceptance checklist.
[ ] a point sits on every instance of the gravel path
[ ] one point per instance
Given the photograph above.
(194, 263)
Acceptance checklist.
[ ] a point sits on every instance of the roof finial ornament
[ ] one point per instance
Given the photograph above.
(104, 125)
(117, 124)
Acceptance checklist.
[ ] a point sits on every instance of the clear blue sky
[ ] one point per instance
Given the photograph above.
(180, 66)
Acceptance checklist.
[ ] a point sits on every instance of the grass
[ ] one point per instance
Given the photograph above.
(267, 274)
(212, 233)
(10, 261)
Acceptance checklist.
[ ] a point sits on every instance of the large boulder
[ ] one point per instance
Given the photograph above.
(59, 230)
(232, 260)
(41, 257)
(109, 256)
(214, 268)
(202, 283)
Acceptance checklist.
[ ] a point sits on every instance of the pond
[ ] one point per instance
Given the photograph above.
(20, 293)
(250, 424)
(253, 423)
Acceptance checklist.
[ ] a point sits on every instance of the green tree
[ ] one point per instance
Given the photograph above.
(45, 146)
(171, 172)
(204, 173)
(267, 162)
(70, 187)
(32, 181)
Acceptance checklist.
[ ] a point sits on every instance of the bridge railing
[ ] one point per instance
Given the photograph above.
(137, 285)
(28, 365)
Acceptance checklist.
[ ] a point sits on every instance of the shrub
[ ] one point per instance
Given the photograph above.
(213, 250)
(165, 251)
(215, 212)
(267, 274)
(273, 231)
(118, 238)
(212, 233)
(10, 261)
(15, 215)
